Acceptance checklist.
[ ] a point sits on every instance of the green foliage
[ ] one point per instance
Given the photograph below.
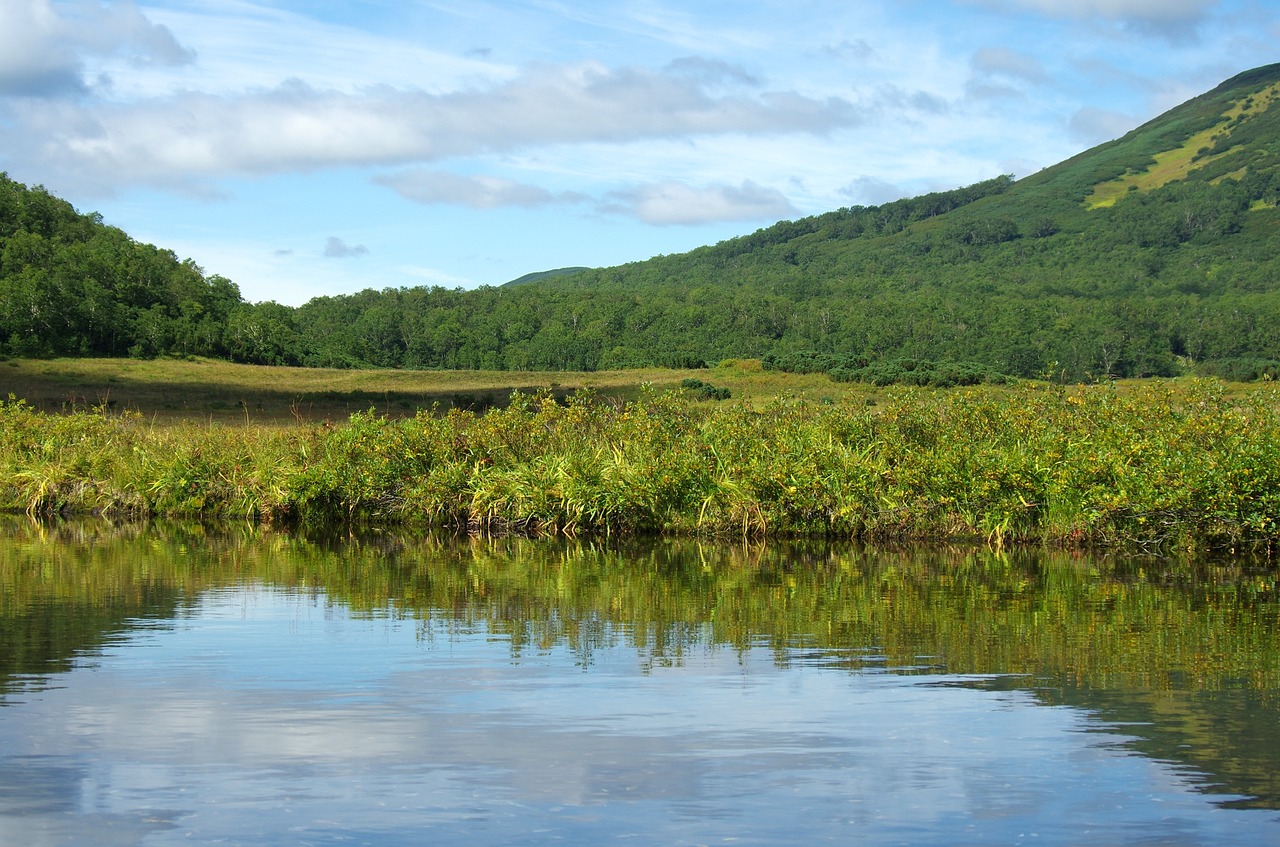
(705, 391)
(1157, 467)
(845, 368)
(72, 286)
(1241, 370)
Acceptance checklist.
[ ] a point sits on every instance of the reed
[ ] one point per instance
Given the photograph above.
(1159, 465)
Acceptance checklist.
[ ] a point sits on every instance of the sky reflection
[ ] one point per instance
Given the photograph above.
(271, 717)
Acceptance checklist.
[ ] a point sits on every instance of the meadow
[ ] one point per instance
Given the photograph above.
(1155, 465)
(210, 390)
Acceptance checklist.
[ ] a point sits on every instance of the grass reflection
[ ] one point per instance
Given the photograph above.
(1184, 648)
(1096, 621)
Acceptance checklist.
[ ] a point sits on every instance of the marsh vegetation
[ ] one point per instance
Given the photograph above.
(1156, 465)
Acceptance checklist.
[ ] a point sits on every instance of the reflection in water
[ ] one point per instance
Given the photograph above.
(181, 684)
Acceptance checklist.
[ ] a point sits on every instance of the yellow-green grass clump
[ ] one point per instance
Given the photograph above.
(1176, 164)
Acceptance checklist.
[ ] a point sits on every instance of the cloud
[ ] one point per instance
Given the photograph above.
(893, 98)
(867, 190)
(674, 203)
(43, 47)
(1009, 64)
(857, 50)
(711, 71)
(1092, 126)
(664, 203)
(988, 90)
(1148, 11)
(477, 192)
(1172, 19)
(293, 127)
(336, 248)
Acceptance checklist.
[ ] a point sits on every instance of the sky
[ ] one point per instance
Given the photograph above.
(305, 149)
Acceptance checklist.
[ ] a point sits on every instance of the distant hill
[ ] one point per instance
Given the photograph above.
(1153, 254)
(538, 276)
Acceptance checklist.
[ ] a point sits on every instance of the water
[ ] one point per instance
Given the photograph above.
(181, 687)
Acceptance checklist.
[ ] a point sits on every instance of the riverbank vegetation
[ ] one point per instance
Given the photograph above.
(1156, 465)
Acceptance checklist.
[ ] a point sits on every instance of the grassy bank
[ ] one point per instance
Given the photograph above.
(1155, 465)
(209, 390)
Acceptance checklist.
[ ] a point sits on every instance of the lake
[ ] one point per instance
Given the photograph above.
(192, 685)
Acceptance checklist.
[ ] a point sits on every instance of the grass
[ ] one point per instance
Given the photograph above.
(210, 390)
(1183, 464)
(1175, 164)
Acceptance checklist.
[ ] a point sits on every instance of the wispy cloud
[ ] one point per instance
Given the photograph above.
(674, 203)
(422, 185)
(1010, 64)
(856, 50)
(663, 204)
(1148, 11)
(1173, 19)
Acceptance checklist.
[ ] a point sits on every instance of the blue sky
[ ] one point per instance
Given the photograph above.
(313, 148)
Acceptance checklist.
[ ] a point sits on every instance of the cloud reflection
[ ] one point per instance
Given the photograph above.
(274, 718)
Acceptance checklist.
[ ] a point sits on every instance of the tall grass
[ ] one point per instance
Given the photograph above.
(1161, 465)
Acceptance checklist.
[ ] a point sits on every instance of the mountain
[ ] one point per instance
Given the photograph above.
(1153, 254)
(1147, 255)
(537, 276)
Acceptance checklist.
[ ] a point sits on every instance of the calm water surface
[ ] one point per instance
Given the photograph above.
(177, 686)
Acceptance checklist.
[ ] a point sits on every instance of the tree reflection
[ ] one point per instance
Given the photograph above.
(1181, 652)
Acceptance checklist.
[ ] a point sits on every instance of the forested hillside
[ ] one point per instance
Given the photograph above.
(1153, 254)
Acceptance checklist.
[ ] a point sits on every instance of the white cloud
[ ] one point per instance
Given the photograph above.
(478, 192)
(590, 128)
(989, 90)
(294, 127)
(670, 203)
(43, 46)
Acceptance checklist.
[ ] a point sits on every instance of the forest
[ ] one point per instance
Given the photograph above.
(1152, 255)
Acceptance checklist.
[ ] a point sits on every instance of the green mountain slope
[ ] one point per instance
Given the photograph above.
(538, 276)
(1152, 254)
